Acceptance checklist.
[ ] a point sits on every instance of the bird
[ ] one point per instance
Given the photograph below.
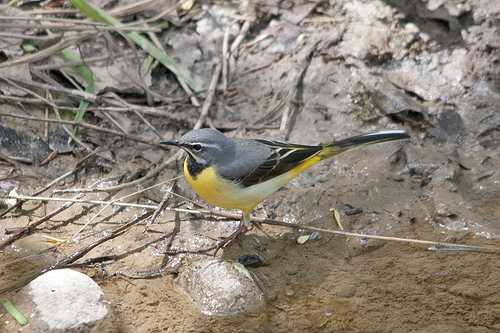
(236, 173)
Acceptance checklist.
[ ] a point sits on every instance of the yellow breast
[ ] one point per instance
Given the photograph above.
(226, 194)
(218, 191)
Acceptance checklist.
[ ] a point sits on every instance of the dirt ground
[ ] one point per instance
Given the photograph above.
(307, 72)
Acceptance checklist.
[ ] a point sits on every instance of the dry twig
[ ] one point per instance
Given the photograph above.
(29, 228)
(81, 124)
(210, 96)
(206, 212)
(82, 252)
(40, 55)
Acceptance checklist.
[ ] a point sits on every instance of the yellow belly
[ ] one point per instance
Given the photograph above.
(226, 194)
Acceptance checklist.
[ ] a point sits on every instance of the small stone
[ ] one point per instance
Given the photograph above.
(303, 239)
(252, 260)
(217, 288)
(291, 269)
(65, 301)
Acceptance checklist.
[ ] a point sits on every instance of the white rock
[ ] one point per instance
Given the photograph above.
(66, 301)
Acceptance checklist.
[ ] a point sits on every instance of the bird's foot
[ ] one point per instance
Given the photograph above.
(228, 241)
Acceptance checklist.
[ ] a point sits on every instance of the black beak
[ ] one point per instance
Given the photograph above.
(170, 143)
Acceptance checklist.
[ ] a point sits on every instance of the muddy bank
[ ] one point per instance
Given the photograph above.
(305, 73)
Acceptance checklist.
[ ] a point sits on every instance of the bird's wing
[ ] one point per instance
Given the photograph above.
(283, 158)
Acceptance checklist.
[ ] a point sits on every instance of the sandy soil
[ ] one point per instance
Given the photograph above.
(349, 68)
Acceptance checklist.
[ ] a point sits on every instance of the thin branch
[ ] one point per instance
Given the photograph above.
(40, 55)
(225, 59)
(68, 132)
(42, 86)
(46, 187)
(450, 246)
(140, 115)
(81, 124)
(210, 97)
(45, 12)
(9, 160)
(82, 252)
(28, 229)
(160, 207)
(30, 37)
(296, 98)
(161, 15)
(60, 27)
(119, 108)
(89, 60)
(241, 36)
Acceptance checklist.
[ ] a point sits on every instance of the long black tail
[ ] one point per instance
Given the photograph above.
(338, 147)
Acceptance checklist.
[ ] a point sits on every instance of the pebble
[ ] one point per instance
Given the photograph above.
(217, 288)
(65, 300)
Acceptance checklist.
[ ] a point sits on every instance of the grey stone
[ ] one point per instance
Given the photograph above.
(217, 288)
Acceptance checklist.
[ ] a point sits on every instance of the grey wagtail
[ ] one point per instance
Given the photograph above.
(241, 173)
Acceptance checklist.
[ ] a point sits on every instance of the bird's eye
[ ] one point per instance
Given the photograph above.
(197, 147)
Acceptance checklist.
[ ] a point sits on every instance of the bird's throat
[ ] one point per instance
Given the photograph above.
(194, 168)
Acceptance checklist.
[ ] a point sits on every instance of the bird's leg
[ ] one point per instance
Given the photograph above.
(235, 236)
(245, 221)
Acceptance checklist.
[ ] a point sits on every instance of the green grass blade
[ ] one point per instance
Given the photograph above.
(242, 269)
(87, 75)
(18, 316)
(100, 15)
